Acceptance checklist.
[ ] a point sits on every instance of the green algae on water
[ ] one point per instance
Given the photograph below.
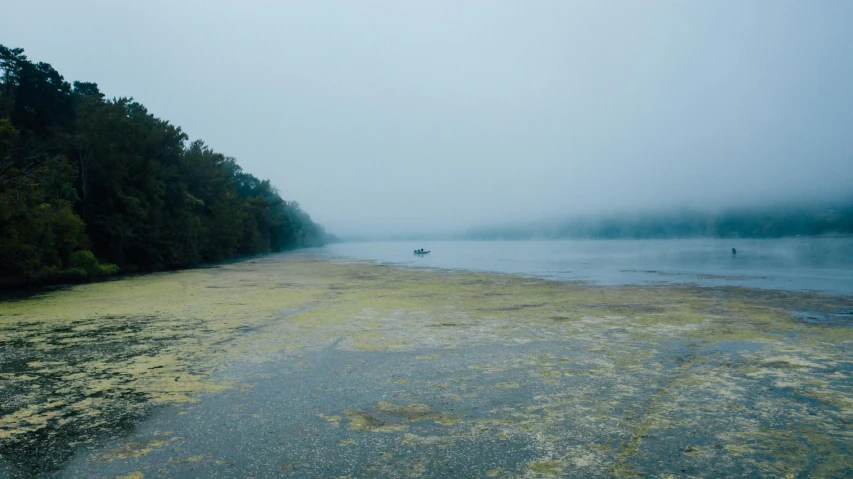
(593, 380)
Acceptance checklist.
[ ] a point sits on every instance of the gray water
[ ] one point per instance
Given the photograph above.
(800, 264)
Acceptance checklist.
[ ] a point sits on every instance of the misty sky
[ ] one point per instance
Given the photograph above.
(393, 116)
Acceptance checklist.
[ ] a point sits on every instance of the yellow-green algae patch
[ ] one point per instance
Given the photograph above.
(546, 468)
(364, 421)
(78, 360)
(333, 420)
(134, 449)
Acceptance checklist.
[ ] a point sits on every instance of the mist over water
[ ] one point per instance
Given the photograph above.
(799, 264)
(384, 117)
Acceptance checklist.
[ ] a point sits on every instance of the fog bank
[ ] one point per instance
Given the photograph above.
(384, 117)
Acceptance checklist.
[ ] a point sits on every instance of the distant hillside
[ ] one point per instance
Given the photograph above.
(90, 186)
(834, 219)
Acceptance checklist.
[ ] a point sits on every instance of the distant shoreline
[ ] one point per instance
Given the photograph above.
(393, 239)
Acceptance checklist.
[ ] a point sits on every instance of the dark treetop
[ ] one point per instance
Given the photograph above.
(89, 186)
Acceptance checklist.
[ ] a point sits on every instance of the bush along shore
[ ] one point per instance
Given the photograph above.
(91, 186)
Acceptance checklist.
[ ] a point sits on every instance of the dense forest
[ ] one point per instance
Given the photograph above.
(90, 186)
(793, 220)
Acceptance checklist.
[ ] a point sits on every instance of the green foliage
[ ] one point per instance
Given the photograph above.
(83, 177)
(86, 262)
(38, 227)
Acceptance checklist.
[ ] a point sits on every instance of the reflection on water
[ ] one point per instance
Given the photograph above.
(821, 264)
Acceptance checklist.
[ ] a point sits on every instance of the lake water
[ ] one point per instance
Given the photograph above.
(818, 264)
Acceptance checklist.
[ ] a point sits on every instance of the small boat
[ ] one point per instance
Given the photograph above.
(421, 251)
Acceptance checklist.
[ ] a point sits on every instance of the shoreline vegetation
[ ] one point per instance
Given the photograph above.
(810, 220)
(91, 186)
(547, 378)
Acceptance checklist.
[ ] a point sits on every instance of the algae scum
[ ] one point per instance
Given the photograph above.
(289, 366)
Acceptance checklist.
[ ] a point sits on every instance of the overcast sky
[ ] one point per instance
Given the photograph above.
(398, 116)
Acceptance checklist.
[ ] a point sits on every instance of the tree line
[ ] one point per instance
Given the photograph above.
(796, 220)
(90, 186)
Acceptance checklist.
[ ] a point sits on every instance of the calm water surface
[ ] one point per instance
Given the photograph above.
(819, 264)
